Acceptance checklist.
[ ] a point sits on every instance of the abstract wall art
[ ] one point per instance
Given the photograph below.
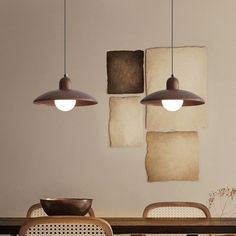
(171, 137)
(125, 72)
(172, 156)
(126, 123)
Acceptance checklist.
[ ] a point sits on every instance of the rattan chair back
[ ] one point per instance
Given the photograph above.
(36, 210)
(176, 209)
(66, 226)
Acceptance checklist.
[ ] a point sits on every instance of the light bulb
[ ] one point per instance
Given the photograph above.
(172, 105)
(65, 105)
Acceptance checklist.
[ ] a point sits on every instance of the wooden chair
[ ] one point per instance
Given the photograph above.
(66, 226)
(176, 209)
(36, 210)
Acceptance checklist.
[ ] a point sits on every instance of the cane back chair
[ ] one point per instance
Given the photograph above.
(66, 226)
(36, 210)
(176, 209)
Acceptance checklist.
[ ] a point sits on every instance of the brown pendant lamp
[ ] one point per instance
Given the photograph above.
(65, 98)
(172, 98)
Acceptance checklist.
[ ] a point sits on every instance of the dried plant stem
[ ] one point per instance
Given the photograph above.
(223, 209)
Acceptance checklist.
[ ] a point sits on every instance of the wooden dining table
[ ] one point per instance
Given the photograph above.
(140, 225)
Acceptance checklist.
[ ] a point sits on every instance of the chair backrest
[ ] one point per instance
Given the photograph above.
(66, 226)
(176, 209)
(36, 210)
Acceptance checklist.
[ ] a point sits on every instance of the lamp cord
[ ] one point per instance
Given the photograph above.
(172, 38)
(64, 37)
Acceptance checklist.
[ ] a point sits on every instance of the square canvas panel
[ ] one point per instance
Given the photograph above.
(126, 124)
(172, 156)
(190, 68)
(125, 72)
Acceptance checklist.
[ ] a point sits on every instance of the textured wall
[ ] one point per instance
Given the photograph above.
(47, 153)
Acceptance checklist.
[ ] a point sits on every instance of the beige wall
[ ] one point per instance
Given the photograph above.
(47, 153)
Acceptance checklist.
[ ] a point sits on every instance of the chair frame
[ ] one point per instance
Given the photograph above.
(198, 205)
(38, 206)
(64, 220)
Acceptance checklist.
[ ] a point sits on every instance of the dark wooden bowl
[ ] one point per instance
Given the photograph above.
(66, 206)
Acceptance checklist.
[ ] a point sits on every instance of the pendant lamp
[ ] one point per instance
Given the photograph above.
(65, 98)
(172, 98)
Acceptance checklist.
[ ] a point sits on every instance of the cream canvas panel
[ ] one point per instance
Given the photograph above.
(126, 125)
(172, 156)
(190, 68)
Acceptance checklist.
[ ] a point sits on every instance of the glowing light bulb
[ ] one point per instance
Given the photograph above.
(172, 105)
(65, 105)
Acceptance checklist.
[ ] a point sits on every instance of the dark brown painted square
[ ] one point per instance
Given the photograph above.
(125, 72)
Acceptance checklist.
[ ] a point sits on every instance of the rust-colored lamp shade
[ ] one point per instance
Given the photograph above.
(64, 98)
(65, 93)
(172, 92)
(172, 99)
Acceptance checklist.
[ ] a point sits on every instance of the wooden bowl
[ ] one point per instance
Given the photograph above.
(66, 206)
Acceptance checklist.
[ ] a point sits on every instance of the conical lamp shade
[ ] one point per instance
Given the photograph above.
(65, 93)
(172, 92)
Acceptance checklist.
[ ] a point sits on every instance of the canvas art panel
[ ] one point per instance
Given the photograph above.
(172, 156)
(125, 72)
(126, 123)
(190, 68)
